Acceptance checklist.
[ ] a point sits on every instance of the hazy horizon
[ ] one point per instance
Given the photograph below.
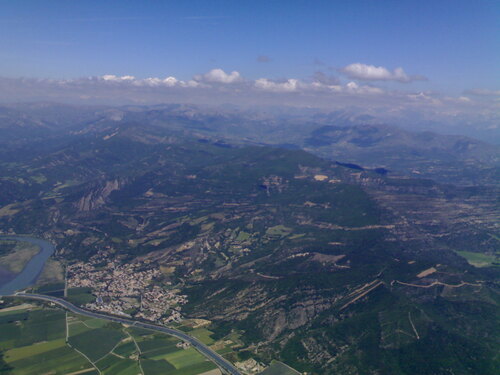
(404, 60)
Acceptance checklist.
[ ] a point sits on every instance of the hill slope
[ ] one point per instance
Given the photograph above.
(330, 268)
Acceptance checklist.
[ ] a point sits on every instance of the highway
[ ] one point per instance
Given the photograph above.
(223, 364)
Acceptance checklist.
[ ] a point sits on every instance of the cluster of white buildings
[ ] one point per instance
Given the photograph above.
(126, 289)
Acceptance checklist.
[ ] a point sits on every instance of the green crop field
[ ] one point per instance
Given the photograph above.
(33, 341)
(278, 368)
(61, 360)
(80, 296)
(157, 367)
(479, 259)
(94, 323)
(184, 357)
(30, 350)
(125, 349)
(160, 355)
(203, 335)
(160, 352)
(279, 230)
(156, 342)
(96, 343)
(49, 288)
(112, 364)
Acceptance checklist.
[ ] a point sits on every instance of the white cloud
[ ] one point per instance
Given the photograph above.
(296, 85)
(146, 82)
(217, 87)
(113, 78)
(318, 86)
(365, 72)
(219, 76)
(169, 82)
(289, 85)
(354, 88)
(191, 83)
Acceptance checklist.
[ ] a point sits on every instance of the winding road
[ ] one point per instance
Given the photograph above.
(223, 364)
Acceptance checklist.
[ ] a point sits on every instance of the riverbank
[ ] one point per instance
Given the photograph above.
(28, 263)
(18, 256)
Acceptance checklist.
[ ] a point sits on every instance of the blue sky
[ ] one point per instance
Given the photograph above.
(437, 60)
(454, 43)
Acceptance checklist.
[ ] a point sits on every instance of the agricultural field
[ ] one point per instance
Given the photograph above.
(32, 341)
(55, 289)
(278, 368)
(36, 340)
(479, 259)
(80, 296)
(161, 354)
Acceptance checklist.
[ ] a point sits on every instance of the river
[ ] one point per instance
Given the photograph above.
(33, 268)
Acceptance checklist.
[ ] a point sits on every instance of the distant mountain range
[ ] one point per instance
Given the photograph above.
(350, 267)
(337, 136)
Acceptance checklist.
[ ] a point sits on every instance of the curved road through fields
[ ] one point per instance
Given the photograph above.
(224, 365)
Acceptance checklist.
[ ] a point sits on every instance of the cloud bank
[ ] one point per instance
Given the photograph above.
(219, 76)
(361, 90)
(365, 72)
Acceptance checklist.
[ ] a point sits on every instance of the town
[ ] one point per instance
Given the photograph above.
(130, 289)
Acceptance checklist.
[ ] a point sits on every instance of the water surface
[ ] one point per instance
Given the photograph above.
(33, 268)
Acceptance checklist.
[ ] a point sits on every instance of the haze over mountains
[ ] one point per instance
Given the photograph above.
(337, 136)
(295, 187)
(351, 263)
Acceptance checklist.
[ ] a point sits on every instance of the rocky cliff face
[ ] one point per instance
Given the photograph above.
(97, 196)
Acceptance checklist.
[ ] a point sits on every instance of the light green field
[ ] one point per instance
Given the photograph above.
(77, 327)
(126, 349)
(184, 357)
(478, 259)
(61, 360)
(96, 343)
(112, 364)
(14, 309)
(28, 351)
(35, 344)
(279, 368)
(33, 340)
(203, 335)
(94, 323)
(243, 236)
(278, 230)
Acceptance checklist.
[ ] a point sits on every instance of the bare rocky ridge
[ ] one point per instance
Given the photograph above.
(97, 197)
(318, 263)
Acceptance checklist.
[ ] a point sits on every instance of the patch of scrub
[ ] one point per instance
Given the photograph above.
(52, 272)
(9, 210)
